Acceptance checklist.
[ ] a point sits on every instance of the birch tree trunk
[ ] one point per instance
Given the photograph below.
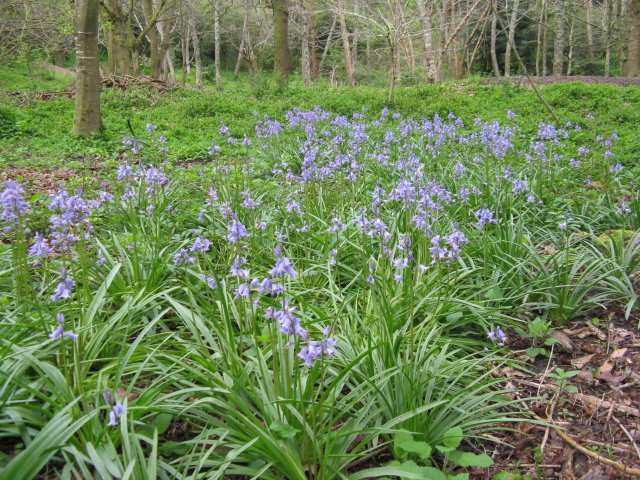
(494, 37)
(195, 41)
(559, 40)
(281, 41)
(305, 65)
(356, 33)
(512, 34)
(590, 43)
(313, 40)
(216, 41)
(607, 37)
(427, 39)
(328, 44)
(539, 51)
(351, 76)
(86, 117)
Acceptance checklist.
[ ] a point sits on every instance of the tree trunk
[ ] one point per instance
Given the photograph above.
(590, 48)
(571, 44)
(494, 37)
(607, 37)
(512, 34)
(559, 40)
(281, 41)
(328, 44)
(86, 118)
(348, 63)
(305, 65)
(117, 33)
(427, 39)
(312, 40)
(631, 65)
(356, 33)
(539, 42)
(196, 55)
(216, 41)
(244, 44)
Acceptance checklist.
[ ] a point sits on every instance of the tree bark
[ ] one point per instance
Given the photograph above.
(86, 118)
(313, 40)
(328, 44)
(216, 41)
(351, 76)
(305, 64)
(281, 41)
(631, 65)
(590, 43)
(512, 34)
(607, 37)
(356, 33)
(427, 39)
(117, 32)
(195, 41)
(494, 37)
(559, 39)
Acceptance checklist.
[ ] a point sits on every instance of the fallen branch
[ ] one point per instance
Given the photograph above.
(593, 402)
(635, 472)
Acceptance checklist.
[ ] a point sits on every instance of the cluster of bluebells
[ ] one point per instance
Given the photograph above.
(14, 205)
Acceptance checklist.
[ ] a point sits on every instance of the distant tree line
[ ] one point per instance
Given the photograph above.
(345, 41)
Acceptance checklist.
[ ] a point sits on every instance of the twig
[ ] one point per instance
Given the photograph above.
(588, 399)
(634, 472)
(626, 432)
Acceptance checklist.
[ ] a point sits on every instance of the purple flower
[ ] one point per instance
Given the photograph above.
(242, 291)
(617, 168)
(498, 336)
(182, 256)
(236, 269)
(40, 248)
(283, 266)
(116, 412)
(236, 231)
(200, 245)
(309, 353)
(485, 216)
(289, 323)
(13, 205)
(60, 332)
(63, 289)
(336, 225)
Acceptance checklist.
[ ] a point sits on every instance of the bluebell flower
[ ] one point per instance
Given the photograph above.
(283, 266)
(200, 245)
(60, 332)
(498, 336)
(63, 289)
(13, 205)
(116, 412)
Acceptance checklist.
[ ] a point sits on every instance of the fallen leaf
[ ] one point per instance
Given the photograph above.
(582, 361)
(563, 340)
(608, 365)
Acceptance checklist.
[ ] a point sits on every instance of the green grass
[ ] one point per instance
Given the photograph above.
(191, 119)
(197, 346)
